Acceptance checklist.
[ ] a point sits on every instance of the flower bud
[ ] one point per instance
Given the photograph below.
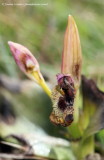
(28, 64)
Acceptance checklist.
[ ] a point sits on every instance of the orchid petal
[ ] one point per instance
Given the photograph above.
(72, 57)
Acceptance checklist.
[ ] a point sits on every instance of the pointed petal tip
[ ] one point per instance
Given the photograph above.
(10, 42)
(71, 19)
(69, 16)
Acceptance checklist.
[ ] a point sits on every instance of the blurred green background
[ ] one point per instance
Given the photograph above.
(41, 29)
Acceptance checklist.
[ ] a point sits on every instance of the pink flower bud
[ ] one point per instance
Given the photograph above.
(23, 57)
(25, 60)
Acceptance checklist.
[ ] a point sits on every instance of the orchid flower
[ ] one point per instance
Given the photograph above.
(64, 93)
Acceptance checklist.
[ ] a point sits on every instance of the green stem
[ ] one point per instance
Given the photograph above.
(45, 88)
(83, 148)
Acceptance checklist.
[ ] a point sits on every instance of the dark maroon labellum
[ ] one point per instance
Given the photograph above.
(62, 103)
(63, 97)
(66, 84)
(69, 118)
